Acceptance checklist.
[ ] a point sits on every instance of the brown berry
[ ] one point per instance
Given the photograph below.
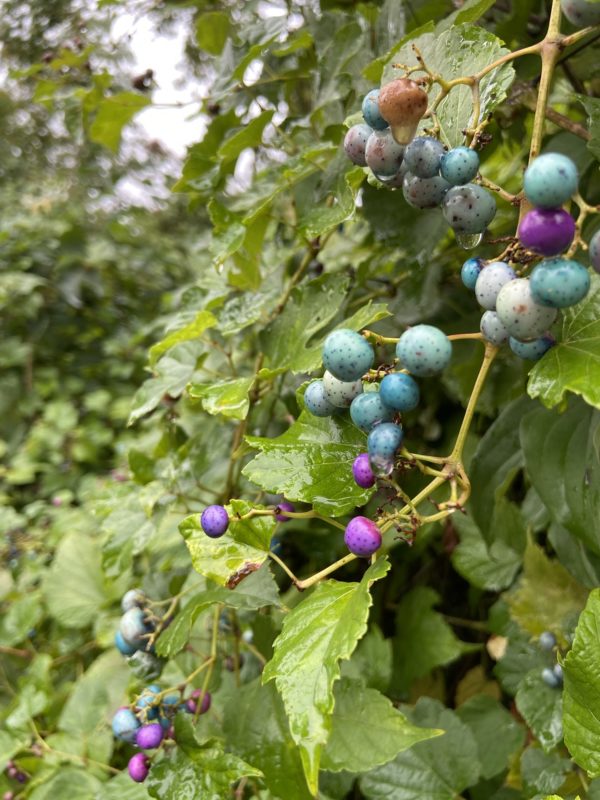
(402, 103)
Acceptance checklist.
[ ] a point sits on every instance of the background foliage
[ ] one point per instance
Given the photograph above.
(153, 361)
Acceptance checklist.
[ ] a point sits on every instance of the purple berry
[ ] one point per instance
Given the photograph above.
(139, 767)
(205, 704)
(362, 472)
(280, 516)
(214, 521)
(149, 736)
(595, 251)
(362, 537)
(547, 231)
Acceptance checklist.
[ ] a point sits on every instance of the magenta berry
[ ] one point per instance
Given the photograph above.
(547, 231)
(139, 767)
(192, 703)
(284, 506)
(214, 521)
(362, 472)
(149, 736)
(362, 537)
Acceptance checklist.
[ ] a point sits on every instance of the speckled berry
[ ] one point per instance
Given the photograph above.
(149, 736)
(492, 328)
(370, 111)
(469, 208)
(382, 445)
(581, 12)
(132, 598)
(470, 270)
(399, 392)
(214, 521)
(362, 472)
(315, 400)
(347, 354)
(355, 143)
(149, 701)
(491, 279)
(550, 180)
(424, 192)
(559, 282)
(521, 315)
(124, 647)
(192, 703)
(422, 156)
(396, 181)
(547, 231)
(547, 640)
(383, 154)
(125, 725)
(132, 627)
(459, 166)
(532, 351)
(424, 350)
(138, 767)
(362, 537)
(284, 506)
(402, 103)
(368, 410)
(595, 251)
(340, 393)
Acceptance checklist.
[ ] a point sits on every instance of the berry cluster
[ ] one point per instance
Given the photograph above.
(552, 676)
(429, 175)
(148, 722)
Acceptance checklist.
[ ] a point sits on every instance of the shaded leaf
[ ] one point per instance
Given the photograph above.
(541, 708)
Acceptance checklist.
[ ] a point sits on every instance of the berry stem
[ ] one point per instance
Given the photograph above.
(284, 567)
(455, 337)
(318, 576)
(376, 338)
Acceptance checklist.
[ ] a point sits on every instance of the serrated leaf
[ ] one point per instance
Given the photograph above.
(543, 772)
(423, 639)
(197, 768)
(573, 364)
(112, 115)
(245, 545)
(522, 655)
(195, 329)
(367, 731)
(256, 591)
(249, 136)
(460, 51)
(311, 462)
(324, 217)
(321, 631)
(582, 689)
(562, 458)
(437, 769)
(497, 733)
(541, 708)
(592, 107)
(228, 398)
(21, 616)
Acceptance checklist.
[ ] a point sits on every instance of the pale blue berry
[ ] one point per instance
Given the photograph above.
(347, 355)
(492, 329)
(469, 208)
(550, 180)
(470, 272)
(370, 111)
(459, 166)
(340, 393)
(489, 282)
(424, 350)
(368, 410)
(424, 192)
(316, 402)
(559, 282)
(383, 154)
(532, 351)
(355, 143)
(521, 315)
(399, 392)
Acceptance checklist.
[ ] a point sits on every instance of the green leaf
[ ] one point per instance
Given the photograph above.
(212, 31)
(582, 689)
(543, 772)
(112, 116)
(372, 661)
(521, 655)
(249, 136)
(229, 398)
(74, 588)
(437, 769)
(322, 630)
(461, 50)
(257, 728)
(194, 330)
(547, 598)
(323, 217)
(10, 745)
(311, 462)
(423, 639)
(491, 566)
(541, 708)
(202, 157)
(68, 783)
(583, 565)
(256, 591)
(592, 107)
(470, 11)
(122, 788)
(367, 731)
(498, 735)
(244, 546)
(22, 615)
(573, 364)
(562, 458)
(197, 768)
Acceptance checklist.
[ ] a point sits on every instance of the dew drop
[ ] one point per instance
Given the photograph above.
(468, 241)
(381, 467)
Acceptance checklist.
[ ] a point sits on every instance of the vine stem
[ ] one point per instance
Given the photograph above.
(318, 576)
(490, 354)
(212, 660)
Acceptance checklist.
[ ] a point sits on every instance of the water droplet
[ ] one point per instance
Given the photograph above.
(468, 241)
(381, 467)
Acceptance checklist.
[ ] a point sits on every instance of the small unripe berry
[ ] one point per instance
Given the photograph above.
(370, 111)
(205, 703)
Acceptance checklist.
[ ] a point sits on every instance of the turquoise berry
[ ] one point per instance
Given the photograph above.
(469, 208)
(492, 328)
(340, 393)
(550, 180)
(470, 270)
(595, 251)
(424, 350)
(125, 648)
(521, 315)
(368, 410)
(383, 154)
(581, 12)
(125, 725)
(347, 355)
(355, 143)
(489, 282)
(315, 400)
(422, 156)
(547, 640)
(399, 392)
(370, 111)
(459, 166)
(559, 282)
(383, 443)
(148, 699)
(532, 351)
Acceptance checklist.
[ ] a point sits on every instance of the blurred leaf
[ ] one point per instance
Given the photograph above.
(228, 398)
(541, 708)
(249, 136)
(372, 661)
(21, 617)
(195, 329)
(112, 115)
(212, 31)
(543, 772)
(498, 735)
(592, 107)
